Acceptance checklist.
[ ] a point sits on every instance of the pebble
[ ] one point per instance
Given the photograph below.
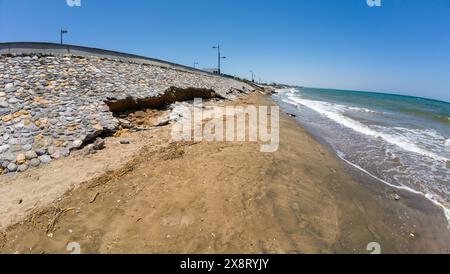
(125, 142)
(45, 159)
(65, 152)
(12, 167)
(77, 143)
(21, 159)
(35, 162)
(4, 148)
(4, 111)
(9, 87)
(30, 155)
(13, 100)
(40, 152)
(99, 144)
(4, 104)
(51, 150)
(22, 168)
(27, 147)
(56, 155)
(397, 197)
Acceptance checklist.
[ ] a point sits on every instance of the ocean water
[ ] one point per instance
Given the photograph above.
(402, 141)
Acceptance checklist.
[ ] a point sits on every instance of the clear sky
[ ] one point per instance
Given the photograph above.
(401, 47)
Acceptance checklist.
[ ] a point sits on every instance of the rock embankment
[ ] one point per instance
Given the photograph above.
(50, 105)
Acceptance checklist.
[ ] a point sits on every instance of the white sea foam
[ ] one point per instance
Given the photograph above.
(361, 109)
(286, 91)
(429, 196)
(331, 111)
(447, 143)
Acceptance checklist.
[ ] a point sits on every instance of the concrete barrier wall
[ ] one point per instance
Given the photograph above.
(57, 49)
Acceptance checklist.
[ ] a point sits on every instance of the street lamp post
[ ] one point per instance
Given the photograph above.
(253, 76)
(62, 33)
(219, 58)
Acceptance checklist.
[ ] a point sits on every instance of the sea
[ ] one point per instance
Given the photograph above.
(402, 141)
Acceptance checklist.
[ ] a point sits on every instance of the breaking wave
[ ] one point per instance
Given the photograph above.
(332, 111)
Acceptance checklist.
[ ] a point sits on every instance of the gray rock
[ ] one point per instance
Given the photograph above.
(10, 87)
(12, 167)
(99, 144)
(56, 155)
(125, 124)
(4, 148)
(7, 157)
(4, 103)
(4, 111)
(45, 159)
(51, 150)
(13, 100)
(125, 142)
(22, 168)
(397, 197)
(35, 163)
(5, 164)
(31, 155)
(13, 141)
(65, 152)
(27, 147)
(40, 152)
(77, 143)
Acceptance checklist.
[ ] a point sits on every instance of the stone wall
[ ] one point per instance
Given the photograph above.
(50, 105)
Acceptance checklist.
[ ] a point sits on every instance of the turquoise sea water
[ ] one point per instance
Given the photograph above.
(403, 141)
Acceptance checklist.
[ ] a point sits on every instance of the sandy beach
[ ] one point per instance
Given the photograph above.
(157, 196)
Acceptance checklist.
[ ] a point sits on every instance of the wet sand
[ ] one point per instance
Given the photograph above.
(205, 197)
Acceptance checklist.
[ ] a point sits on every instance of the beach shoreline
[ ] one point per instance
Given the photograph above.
(224, 198)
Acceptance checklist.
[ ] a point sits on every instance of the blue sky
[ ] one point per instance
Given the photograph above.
(401, 47)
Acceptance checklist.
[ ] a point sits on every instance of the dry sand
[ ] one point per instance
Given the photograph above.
(155, 196)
